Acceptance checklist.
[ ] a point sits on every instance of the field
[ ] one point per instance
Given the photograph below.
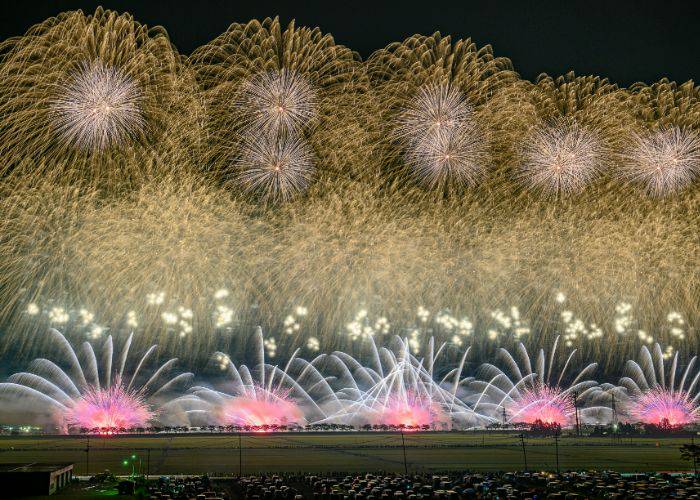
(343, 452)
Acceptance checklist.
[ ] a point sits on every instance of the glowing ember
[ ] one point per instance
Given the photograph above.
(658, 406)
(545, 403)
(113, 407)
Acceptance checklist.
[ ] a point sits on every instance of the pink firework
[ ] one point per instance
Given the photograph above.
(658, 405)
(114, 407)
(263, 395)
(272, 410)
(401, 390)
(409, 412)
(545, 403)
(527, 389)
(88, 394)
(654, 394)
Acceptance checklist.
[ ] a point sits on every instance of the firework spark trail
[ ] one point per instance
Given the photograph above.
(443, 144)
(93, 99)
(457, 157)
(264, 78)
(85, 395)
(651, 395)
(437, 130)
(447, 110)
(434, 111)
(113, 407)
(335, 254)
(543, 403)
(155, 215)
(664, 161)
(262, 396)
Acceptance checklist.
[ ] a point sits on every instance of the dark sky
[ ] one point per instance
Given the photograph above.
(624, 40)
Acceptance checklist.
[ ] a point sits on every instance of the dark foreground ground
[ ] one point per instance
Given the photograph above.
(219, 454)
(414, 486)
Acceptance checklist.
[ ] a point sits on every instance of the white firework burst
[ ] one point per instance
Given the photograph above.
(663, 162)
(441, 139)
(434, 110)
(459, 157)
(98, 107)
(561, 158)
(275, 167)
(277, 102)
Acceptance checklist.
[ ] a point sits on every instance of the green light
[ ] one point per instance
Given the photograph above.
(125, 463)
(133, 457)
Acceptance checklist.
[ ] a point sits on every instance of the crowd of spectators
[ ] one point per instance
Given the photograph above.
(521, 485)
(186, 488)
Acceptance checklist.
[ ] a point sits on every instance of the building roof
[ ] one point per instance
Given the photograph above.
(34, 467)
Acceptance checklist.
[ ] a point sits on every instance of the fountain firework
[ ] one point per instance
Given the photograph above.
(399, 389)
(652, 398)
(520, 394)
(87, 396)
(261, 396)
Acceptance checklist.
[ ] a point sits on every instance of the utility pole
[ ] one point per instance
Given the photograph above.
(148, 463)
(505, 416)
(522, 441)
(578, 428)
(87, 457)
(556, 447)
(240, 455)
(405, 464)
(613, 430)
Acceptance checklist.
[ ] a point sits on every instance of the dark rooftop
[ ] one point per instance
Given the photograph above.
(33, 467)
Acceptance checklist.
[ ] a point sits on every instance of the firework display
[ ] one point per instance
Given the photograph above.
(654, 396)
(400, 389)
(259, 397)
(528, 395)
(92, 99)
(91, 395)
(396, 227)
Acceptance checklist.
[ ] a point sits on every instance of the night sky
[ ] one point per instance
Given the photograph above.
(626, 41)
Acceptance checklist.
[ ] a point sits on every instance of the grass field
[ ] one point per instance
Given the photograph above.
(344, 452)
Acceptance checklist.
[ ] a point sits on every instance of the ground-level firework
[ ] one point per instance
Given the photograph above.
(261, 397)
(654, 396)
(385, 387)
(523, 393)
(396, 388)
(91, 395)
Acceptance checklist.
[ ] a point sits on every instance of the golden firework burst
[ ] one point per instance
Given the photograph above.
(261, 78)
(92, 98)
